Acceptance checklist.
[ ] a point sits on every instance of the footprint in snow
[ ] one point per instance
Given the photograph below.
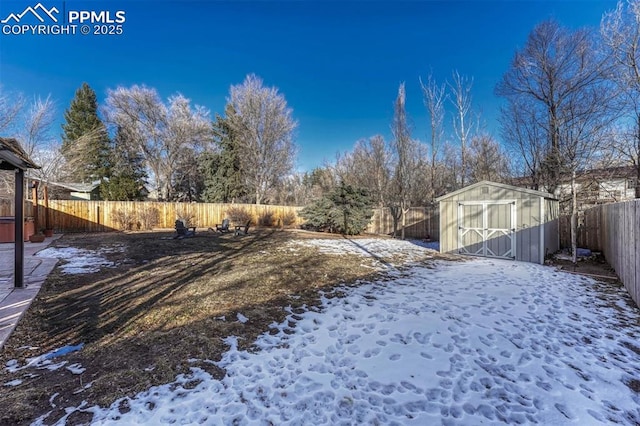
(544, 385)
(421, 338)
(596, 415)
(565, 411)
(371, 352)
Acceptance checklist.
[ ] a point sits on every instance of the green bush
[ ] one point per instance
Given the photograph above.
(345, 210)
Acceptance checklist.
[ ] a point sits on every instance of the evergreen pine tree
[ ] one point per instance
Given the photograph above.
(345, 209)
(223, 176)
(127, 178)
(85, 141)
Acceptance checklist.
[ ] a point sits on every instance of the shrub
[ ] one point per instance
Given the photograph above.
(125, 220)
(186, 216)
(289, 218)
(239, 215)
(148, 218)
(345, 209)
(267, 218)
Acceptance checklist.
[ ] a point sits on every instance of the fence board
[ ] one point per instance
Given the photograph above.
(614, 230)
(421, 222)
(99, 216)
(630, 260)
(637, 251)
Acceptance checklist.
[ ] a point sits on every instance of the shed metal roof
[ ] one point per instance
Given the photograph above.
(498, 185)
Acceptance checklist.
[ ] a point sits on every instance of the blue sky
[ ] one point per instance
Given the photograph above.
(338, 64)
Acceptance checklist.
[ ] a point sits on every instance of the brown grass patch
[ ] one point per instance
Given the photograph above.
(166, 301)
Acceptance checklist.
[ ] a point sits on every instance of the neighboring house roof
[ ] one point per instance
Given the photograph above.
(624, 172)
(72, 186)
(606, 173)
(12, 156)
(498, 185)
(76, 187)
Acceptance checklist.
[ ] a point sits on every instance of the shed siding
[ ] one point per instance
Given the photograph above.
(531, 241)
(448, 227)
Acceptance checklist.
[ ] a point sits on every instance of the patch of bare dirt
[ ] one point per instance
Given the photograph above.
(595, 265)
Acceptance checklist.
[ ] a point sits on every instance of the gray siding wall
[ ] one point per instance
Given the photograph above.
(528, 229)
(535, 220)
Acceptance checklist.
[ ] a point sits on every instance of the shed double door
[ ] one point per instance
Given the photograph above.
(487, 228)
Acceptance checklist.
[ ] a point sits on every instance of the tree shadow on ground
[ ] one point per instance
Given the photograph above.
(166, 301)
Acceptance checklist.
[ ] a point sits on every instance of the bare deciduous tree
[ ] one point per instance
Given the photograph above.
(434, 96)
(163, 133)
(487, 159)
(406, 156)
(561, 74)
(139, 113)
(37, 125)
(620, 29)
(11, 104)
(32, 127)
(39, 143)
(524, 136)
(264, 127)
(368, 166)
(461, 100)
(188, 134)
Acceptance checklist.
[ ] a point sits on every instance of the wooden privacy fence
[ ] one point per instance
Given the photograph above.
(421, 222)
(6, 207)
(99, 216)
(613, 229)
(588, 232)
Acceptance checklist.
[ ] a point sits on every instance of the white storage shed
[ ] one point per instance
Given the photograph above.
(497, 220)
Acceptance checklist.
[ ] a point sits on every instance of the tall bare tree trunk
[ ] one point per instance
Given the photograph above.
(395, 215)
(404, 221)
(637, 162)
(574, 220)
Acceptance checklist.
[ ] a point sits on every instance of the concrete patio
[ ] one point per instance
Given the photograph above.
(15, 301)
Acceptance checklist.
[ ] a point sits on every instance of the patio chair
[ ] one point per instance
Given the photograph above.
(222, 227)
(184, 231)
(242, 229)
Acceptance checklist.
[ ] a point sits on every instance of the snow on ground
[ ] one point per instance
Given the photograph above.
(80, 261)
(45, 361)
(378, 251)
(478, 342)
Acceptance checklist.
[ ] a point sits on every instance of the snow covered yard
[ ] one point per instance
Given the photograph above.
(476, 342)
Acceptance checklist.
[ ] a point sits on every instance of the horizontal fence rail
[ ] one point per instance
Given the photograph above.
(613, 229)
